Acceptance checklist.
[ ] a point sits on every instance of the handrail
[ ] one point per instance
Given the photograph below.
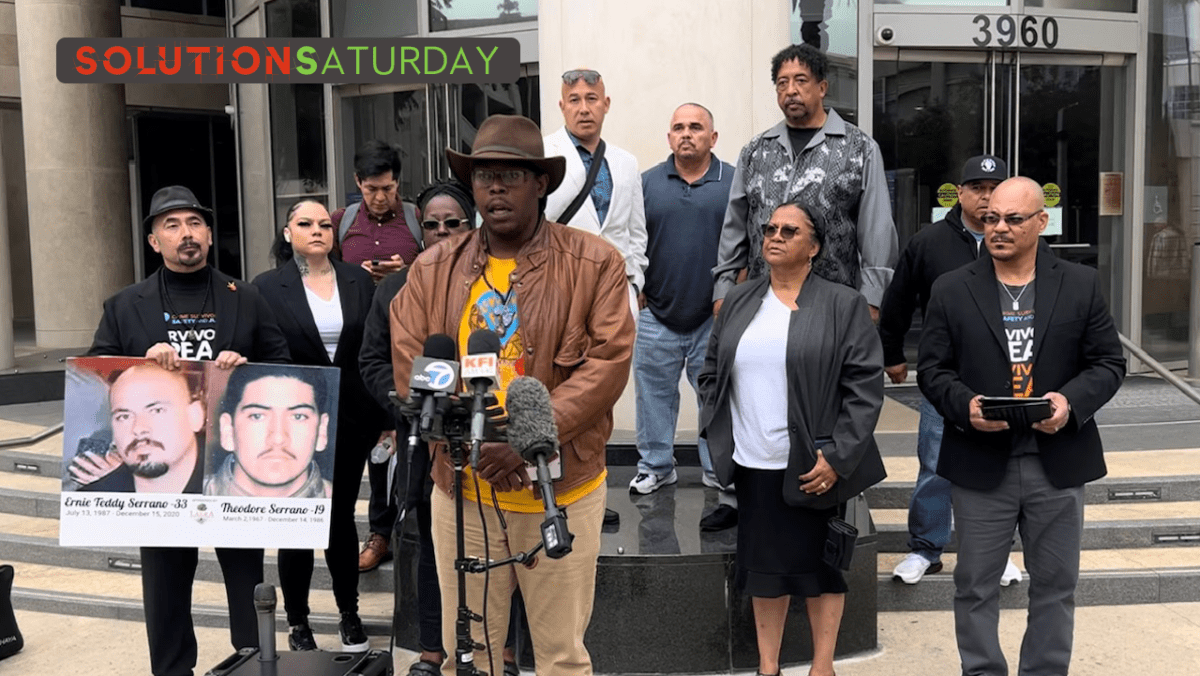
(1181, 385)
(32, 439)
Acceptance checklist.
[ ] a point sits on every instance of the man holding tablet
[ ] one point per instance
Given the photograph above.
(1018, 322)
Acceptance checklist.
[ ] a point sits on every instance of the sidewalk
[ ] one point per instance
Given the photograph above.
(1158, 640)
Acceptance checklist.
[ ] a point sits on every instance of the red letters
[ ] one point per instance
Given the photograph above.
(86, 65)
(237, 65)
(108, 55)
(285, 61)
(199, 59)
(142, 69)
(162, 61)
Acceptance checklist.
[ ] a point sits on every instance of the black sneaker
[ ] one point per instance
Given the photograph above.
(722, 518)
(354, 639)
(301, 638)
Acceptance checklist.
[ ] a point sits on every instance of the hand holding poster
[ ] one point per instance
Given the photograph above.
(197, 456)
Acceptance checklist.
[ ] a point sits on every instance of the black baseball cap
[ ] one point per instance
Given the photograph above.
(984, 168)
(174, 197)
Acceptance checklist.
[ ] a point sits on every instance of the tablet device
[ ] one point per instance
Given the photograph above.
(1016, 411)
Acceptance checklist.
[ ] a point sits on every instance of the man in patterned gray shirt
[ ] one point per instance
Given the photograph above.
(816, 157)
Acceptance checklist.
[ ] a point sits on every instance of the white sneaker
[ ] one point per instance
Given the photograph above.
(646, 483)
(1011, 575)
(914, 567)
(710, 480)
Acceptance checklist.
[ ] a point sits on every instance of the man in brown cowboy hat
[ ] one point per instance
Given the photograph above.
(557, 298)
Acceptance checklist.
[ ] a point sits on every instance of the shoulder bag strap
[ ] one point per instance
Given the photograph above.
(573, 207)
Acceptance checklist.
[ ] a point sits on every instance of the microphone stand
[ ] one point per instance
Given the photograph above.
(464, 645)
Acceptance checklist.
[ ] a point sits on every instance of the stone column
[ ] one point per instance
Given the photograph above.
(7, 355)
(77, 173)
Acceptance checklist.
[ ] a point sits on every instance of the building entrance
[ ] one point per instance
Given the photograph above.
(1056, 118)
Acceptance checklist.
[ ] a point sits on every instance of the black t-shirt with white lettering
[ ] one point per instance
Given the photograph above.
(1016, 310)
(190, 310)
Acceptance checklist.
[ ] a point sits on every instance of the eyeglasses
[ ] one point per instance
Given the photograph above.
(589, 76)
(786, 232)
(1013, 220)
(450, 223)
(511, 178)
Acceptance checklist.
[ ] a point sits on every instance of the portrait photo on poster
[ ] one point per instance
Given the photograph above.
(271, 431)
(131, 426)
(198, 455)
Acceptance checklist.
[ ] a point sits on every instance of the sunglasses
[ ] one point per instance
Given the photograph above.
(450, 223)
(786, 232)
(992, 218)
(511, 178)
(589, 76)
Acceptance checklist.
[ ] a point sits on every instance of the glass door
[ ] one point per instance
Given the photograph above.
(1056, 118)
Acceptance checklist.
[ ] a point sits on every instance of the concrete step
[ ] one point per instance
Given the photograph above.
(118, 595)
(1106, 526)
(1133, 476)
(1107, 577)
(38, 543)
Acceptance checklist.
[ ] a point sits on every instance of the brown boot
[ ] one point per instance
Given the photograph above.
(374, 552)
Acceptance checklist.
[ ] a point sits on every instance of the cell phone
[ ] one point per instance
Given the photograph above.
(555, 466)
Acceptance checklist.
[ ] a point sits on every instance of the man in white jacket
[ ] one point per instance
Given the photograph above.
(613, 207)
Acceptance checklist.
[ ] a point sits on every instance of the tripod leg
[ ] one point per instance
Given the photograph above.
(500, 585)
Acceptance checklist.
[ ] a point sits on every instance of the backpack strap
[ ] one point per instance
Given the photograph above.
(414, 223)
(348, 217)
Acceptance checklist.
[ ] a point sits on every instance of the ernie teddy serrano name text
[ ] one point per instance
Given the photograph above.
(290, 60)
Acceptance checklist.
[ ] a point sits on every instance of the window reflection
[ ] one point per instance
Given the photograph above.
(480, 101)
(832, 27)
(448, 15)
(399, 118)
(1172, 179)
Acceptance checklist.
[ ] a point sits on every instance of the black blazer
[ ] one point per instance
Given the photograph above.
(1076, 353)
(835, 381)
(133, 321)
(284, 290)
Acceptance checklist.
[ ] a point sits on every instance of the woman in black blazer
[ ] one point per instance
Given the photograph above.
(792, 388)
(322, 304)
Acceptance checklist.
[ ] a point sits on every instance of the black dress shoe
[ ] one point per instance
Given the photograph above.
(721, 518)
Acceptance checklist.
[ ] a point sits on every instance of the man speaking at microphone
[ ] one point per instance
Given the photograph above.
(557, 298)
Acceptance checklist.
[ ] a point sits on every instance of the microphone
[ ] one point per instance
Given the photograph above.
(479, 369)
(264, 606)
(533, 434)
(434, 376)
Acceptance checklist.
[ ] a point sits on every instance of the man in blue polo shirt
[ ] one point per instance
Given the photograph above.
(685, 199)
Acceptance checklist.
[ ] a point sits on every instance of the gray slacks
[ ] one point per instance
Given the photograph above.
(1050, 521)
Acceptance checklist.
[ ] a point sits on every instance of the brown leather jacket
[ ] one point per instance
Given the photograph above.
(573, 307)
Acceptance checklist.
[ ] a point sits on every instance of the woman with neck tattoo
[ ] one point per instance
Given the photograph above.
(322, 305)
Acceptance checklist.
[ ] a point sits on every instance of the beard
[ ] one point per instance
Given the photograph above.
(147, 469)
(150, 470)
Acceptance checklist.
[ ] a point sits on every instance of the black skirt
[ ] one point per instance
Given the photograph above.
(779, 547)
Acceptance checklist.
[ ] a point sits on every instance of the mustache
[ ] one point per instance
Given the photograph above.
(137, 444)
(283, 449)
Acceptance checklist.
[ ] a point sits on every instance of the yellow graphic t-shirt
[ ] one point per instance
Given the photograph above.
(493, 306)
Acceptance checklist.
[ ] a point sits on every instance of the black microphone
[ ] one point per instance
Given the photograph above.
(533, 434)
(479, 369)
(264, 606)
(434, 376)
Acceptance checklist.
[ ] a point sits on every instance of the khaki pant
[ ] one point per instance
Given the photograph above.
(558, 593)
